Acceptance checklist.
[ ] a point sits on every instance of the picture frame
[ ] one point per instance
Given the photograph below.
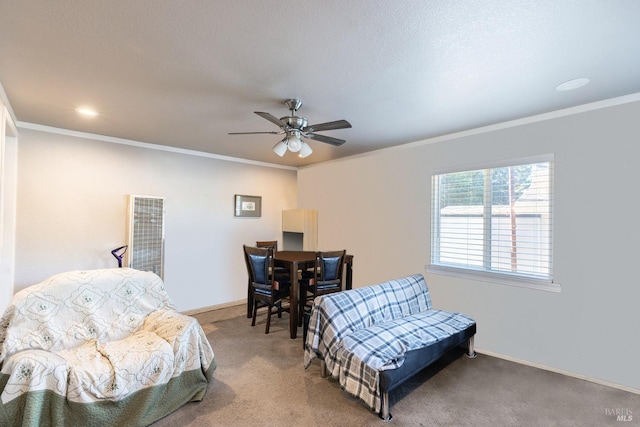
(247, 206)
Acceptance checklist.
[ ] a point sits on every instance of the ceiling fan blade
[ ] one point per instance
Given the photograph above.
(254, 133)
(273, 119)
(338, 124)
(326, 139)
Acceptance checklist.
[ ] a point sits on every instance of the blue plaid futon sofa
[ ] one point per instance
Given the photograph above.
(374, 338)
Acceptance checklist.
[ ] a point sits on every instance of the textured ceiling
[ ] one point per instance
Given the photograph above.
(186, 73)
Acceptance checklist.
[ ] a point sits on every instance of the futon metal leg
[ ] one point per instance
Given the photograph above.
(471, 353)
(323, 369)
(384, 407)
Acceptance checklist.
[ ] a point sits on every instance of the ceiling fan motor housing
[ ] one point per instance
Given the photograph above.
(295, 122)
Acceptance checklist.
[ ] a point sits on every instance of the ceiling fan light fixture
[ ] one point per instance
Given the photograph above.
(294, 142)
(305, 150)
(280, 148)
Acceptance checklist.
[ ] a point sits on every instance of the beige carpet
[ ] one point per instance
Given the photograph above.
(260, 381)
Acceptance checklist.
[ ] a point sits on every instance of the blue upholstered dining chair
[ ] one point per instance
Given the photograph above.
(273, 244)
(325, 278)
(265, 289)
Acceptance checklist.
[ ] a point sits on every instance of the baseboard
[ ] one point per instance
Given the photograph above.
(214, 307)
(558, 371)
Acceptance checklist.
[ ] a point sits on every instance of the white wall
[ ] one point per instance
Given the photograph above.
(377, 206)
(71, 212)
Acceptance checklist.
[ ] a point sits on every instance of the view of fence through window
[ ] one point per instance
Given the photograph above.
(495, 220)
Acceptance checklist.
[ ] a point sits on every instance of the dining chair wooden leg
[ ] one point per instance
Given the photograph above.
(266, 330)
(302, 300)
(255, 311)
(249, 300)
(305, 326)
(300, 312)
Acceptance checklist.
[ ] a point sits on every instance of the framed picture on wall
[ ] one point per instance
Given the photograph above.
(248, 206)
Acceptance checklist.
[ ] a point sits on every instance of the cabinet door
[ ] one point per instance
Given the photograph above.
(293, 221)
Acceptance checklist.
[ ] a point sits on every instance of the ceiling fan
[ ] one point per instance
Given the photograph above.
(294, 128)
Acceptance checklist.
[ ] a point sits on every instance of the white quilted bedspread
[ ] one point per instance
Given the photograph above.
(95, 335)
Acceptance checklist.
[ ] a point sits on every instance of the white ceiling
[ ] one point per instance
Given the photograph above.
(186, 73)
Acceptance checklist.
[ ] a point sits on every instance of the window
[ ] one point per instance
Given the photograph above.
(494, 221)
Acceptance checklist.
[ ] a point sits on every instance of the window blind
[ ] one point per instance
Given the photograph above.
(497, 220)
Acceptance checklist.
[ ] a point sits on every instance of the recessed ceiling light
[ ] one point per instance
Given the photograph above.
(572, 84)
(86, 111)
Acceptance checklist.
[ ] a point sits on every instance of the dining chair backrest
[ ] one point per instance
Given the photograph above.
(273, 244)
(329, 267)
(259, 265)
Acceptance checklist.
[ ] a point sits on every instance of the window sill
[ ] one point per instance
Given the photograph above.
(501, 279)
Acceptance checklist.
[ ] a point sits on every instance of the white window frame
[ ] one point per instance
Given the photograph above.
(483, 274)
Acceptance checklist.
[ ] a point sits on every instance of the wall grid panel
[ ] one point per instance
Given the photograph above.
(145, 234)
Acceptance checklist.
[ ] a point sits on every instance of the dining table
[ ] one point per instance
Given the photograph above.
(294, 262)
